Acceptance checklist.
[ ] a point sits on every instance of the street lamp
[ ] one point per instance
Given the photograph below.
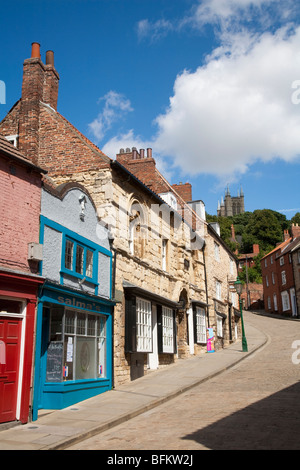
(239, 287)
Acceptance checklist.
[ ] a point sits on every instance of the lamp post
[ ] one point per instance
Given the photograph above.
(239, 287)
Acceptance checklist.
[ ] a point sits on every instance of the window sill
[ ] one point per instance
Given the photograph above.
(79, 277)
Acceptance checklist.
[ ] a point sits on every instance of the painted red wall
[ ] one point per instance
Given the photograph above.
(19, 213)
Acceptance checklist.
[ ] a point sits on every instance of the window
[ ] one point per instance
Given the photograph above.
(231, 266)
(273, 278)
(89, 263)
(272, 259)
(275, 302)
(79, 260)
(167, 330)
(81, 338)
(219, 326)
(281, 261)
(69, 254)
(218, 290)
(267, 281)
(13, 139)
(285, 301)
(269, 303)
(143, 325)
(164, 254)
(137, 230)
(217, 251)
(200, 325)
(283, 277)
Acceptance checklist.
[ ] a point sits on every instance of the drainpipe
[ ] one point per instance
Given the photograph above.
(113, 290)
(205, 277)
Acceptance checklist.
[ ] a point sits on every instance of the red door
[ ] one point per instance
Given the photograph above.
(10, 338)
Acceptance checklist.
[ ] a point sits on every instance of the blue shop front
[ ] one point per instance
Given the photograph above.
(74, 329)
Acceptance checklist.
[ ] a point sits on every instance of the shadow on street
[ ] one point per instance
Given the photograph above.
(270, 424)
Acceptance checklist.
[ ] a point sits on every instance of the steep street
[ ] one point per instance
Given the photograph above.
(254, 405)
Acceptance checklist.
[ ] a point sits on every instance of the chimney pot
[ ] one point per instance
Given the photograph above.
(142, 153)
(50, 58)
(149, 153)
(35, 50)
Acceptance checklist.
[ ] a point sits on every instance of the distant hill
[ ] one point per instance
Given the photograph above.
(264, 227)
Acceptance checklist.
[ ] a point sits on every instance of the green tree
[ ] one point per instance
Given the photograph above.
(264, 229)
(296, 218)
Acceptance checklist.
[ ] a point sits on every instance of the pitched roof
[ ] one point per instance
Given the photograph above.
(279, 247)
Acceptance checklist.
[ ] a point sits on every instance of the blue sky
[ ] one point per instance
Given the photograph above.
(213, 87)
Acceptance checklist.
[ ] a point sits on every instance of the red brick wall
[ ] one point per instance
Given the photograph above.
(184, 190)
(277, 287)
(19, 214)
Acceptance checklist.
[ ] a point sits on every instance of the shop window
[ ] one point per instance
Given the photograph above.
(77, 347)
(144, 325)
(138, 326)
(167, 330)
(199, 325)
(78, 259)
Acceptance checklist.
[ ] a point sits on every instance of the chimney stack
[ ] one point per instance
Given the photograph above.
(40, 84)
(295, 229)
(35, 50)
(286, 235)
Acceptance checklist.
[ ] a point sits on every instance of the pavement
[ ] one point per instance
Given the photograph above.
(59, 429)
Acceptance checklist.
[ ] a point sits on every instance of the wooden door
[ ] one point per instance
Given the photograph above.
(10, 338)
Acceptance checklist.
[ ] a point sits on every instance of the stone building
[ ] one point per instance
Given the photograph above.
(172, 274)
(231, 205)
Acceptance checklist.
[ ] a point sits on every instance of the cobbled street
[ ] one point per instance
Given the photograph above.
(254, 405)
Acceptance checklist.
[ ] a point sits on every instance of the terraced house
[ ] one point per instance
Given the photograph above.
(172, 276)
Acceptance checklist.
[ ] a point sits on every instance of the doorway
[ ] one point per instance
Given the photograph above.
(10, 340)
(153, 356)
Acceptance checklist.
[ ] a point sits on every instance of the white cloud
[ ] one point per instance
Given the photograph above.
(155, 31)
(236, 108)
(115, 105)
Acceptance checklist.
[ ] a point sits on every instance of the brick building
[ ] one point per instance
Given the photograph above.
(280, 274)
(173, 275)
(20, 181)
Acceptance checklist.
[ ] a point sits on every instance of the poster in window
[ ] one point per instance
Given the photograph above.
(55, 361)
